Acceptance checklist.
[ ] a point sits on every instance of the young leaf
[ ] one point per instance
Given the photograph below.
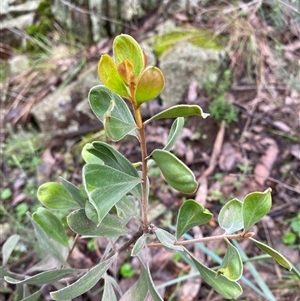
(274, 254)
(224, 287)
(255, 206)
(55, 196)
(8, 247)
(116, 160)
(57, 251)
(106, 186)
(177, 174)
(85, 283)
(108, 74)
(191, 214)
(126, 47)
(74, 192)
(139, 245)
(100, 99)
(139, 290)
(109, 227)
(149, 85)
(167, 239)
(44, 277)
(51, 225)
(89, 157)
(231, 216)
(232, 265)
(175, 132)
(179, 111)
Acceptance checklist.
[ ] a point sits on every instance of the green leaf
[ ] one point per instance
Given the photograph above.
(179, 111)
(89, 157)
(127, 208)
(85, 283)
(167, 239)
(149, 85)
(108, 74)
(223, 286)
(44, 277)
(8, 247)
(175, 132)
(231, 216)
(35, 296)
(55, 196)
(232, 265)
(109, 227)
(104, 101)
(151, 286)
(74, 192)
(274, 254)
(116, 129)
(177, 174)
(116, 160)
(126, 47)
(56, 250)
(109, 293)
(138, 291)
(191, 214)
(139, 245)
(106, 186)
(51, 225)
(255, 206)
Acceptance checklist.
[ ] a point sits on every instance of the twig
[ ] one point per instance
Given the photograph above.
(73, 246)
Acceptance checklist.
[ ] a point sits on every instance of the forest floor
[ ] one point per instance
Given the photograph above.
(260, 148)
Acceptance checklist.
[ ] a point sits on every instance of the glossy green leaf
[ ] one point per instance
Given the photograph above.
(55, 196)
(179, 111)
(126, 47)
(274, 254)
(167, 239)
(85, 283)
(149, 85)
(89, 157)
(104, 101)
(74, 192)
(175, 132)
(231, 216)
(177, 174)
(232, 265)
(223, 286)
(109, 227)
(51, 225)
(191, 214)
(44, 277)
(138, 291)
(108, 74)
(8, 247)
(116, 160)
(56, 250)
(255, 206)
(106, 186)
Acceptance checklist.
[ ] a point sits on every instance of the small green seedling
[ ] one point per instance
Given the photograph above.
(114, 192)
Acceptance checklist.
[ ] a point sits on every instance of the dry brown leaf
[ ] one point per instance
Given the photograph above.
(263, 168)
(201, 195)
(227, 157)
(295, 151)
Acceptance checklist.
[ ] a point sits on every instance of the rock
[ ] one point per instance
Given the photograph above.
(182, 64)
(66, 111)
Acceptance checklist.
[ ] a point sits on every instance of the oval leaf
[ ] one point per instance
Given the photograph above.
(55, 196)
(223, 286)
(274, 254)
(175, 132)
(88, 157)
(179, 111)
(108, 74)
(125, 48)
(191, 214)
(177, 174)
(231, 216)
(255, 206)
(167, 239)
(85, 283)
(232, 265)
(149, 85)
(109, 227)
(51, 225)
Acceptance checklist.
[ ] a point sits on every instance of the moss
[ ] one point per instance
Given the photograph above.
(198, 37)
